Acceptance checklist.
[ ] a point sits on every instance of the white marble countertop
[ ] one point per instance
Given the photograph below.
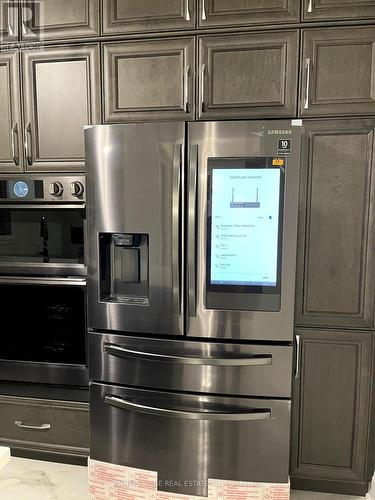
(24, 479)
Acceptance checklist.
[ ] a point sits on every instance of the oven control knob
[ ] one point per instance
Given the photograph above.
(56, 188)
(76, 188)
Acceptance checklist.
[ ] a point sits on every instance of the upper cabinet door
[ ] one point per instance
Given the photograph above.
(336, 235)
(61, 96)
(246, 12)
(146, 81)
(8, 20)
(338, 72)
(134, 16)
(314, 10)
(10, 113)
(248, 76)
(59, 19)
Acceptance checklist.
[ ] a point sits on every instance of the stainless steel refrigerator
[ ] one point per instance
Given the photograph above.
(191, 269)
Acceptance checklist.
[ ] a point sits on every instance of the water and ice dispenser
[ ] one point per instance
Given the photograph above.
(124, 268)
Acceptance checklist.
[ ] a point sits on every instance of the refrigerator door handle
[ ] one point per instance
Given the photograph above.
(255, 360)
(255, 414)
(176, 198)
(192, 202)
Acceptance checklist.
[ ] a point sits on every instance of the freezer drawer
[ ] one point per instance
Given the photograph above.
(216, 368)
(190, 438)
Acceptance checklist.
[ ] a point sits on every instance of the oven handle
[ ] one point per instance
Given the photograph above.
(254, 414)
(255, 360)
(32, 280)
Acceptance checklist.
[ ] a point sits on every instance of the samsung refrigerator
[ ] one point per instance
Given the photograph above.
(192, 232)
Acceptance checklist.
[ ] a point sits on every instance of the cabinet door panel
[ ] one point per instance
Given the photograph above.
(338, 72)
(330, 410)
(60, 19)
(335, 265)
(314, 10)
(247, 12)
(248, 76)
(132, 16)
(149, 80)
(61, 97)
(10, 122)
(9, 13)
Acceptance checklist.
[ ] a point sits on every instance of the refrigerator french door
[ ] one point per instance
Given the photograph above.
(191, 262)
(153, 242)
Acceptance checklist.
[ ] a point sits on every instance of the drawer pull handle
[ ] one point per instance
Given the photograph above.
(255, 360)
(255, 414)
(42, 427)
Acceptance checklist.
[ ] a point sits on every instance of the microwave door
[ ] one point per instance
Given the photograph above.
(135, 186)
(242, 206)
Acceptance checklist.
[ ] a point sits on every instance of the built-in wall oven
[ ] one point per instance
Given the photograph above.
(43, 279)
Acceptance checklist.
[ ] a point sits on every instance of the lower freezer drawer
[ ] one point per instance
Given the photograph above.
(184, 365)
(190, 438)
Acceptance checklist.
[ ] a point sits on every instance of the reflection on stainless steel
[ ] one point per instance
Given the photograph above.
(190, 392)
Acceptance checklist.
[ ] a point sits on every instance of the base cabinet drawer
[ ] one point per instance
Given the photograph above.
(190, 438)
(43, 425)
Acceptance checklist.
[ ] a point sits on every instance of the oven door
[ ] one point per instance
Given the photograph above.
(43, 328)
(42, 240)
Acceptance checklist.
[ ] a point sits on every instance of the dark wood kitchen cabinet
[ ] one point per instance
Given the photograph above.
(132, 16)
(10, 112)
(58, 19)
(61, 96)
(325, 10)
(8, 21)
(149, 80)
(338, 72)
(248, 76)
(45, 428)
(335, 262)
(223, 13)
(332, 396)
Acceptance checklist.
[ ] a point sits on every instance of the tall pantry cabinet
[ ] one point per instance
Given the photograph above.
(81, 62)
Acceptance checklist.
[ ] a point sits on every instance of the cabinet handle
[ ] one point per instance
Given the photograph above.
(42, 427)
(204, 16)
(14, 149)
(28, 150)
(186, 90)
(298, 356)
(310, 7)
(203, 74)
(187, 13)
(307, 89)
(11, 20)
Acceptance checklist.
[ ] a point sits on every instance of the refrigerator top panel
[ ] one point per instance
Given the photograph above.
(243, 180)
(134, 217)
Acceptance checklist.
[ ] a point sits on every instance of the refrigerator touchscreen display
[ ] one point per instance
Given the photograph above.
(245, 198)
(244, 229)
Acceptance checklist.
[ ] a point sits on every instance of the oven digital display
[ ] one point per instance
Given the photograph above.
(245, 226)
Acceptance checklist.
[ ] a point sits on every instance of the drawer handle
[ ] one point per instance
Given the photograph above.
(256, 414)
(42, 427)
(255, 360)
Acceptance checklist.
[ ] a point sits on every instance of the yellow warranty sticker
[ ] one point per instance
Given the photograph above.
(277, 162)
